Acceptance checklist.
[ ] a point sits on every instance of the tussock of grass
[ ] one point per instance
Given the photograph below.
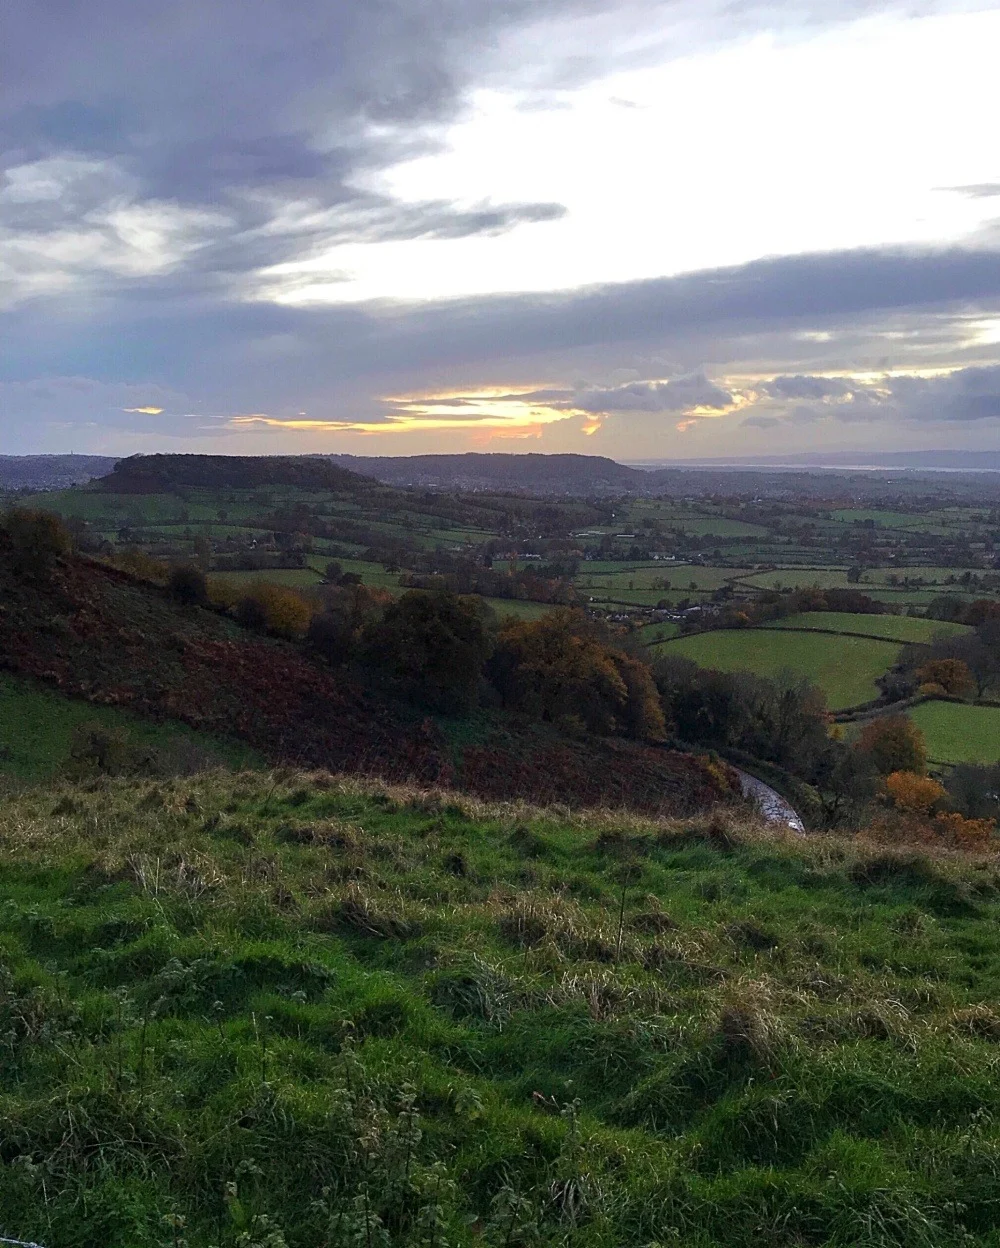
(307, 1010)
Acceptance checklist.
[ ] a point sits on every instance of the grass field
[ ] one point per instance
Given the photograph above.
(294, 578)
(649, 576)
(298, 1011)
(37, 727)
(957, 733)
(845, 668)
(906, 628)
(653, 634)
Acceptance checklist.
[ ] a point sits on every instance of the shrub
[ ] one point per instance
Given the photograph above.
(37, 538)
(913, 793)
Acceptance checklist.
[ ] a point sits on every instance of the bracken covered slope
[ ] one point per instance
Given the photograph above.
(98, 634)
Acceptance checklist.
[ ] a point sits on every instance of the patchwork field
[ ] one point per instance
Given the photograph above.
(845, 668)
(957, 733)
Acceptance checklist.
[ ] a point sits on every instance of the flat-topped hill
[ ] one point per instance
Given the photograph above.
(162, 474)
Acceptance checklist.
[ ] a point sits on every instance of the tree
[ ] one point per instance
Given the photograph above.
(561, 669)
(434, 645)
(912, 793)
(894, 743)
(188, 585)
(331, 637)
(284, 611)
(946, 676)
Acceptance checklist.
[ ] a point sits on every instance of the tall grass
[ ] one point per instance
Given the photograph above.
(246, 1009)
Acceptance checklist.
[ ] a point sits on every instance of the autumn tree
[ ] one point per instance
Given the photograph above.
(894, 743)
(559, 669)
(912, 793)
(280, 610)
(946, 676)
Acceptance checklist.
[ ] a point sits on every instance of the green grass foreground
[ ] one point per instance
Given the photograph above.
(291, 1009)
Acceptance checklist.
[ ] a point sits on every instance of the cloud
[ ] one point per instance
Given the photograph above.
(981, 190)
(680, 394)
(800, 387)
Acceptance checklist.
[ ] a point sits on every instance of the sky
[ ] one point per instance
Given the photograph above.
(648, 229)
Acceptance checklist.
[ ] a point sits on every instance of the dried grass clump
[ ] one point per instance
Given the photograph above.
(980, 1021)
(751, 1026)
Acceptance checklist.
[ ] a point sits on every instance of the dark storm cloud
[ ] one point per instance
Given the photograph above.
(677, 394)
(264, 353)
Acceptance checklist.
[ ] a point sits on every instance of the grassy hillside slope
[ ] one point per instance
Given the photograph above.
(39, 728)
(298, 1010)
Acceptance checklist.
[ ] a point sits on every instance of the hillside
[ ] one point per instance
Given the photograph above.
(541, 474)
(97, 634)
(297, 1010)
(163, 474)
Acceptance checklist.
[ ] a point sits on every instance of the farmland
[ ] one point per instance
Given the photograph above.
(902, 628)
(844, 668)
(959, 733)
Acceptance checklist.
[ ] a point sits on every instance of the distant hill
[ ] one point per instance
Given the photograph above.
(539, 474)
(161, 474)
(51, 472)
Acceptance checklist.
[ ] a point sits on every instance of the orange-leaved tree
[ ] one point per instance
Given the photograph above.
(893, 743)
(912, 793)
(950, 677)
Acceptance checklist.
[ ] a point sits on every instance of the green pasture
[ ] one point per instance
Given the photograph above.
(959, 733)
(903, 628)
(650, 576)
(292, 578)
(845, 668)
(654, 634)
